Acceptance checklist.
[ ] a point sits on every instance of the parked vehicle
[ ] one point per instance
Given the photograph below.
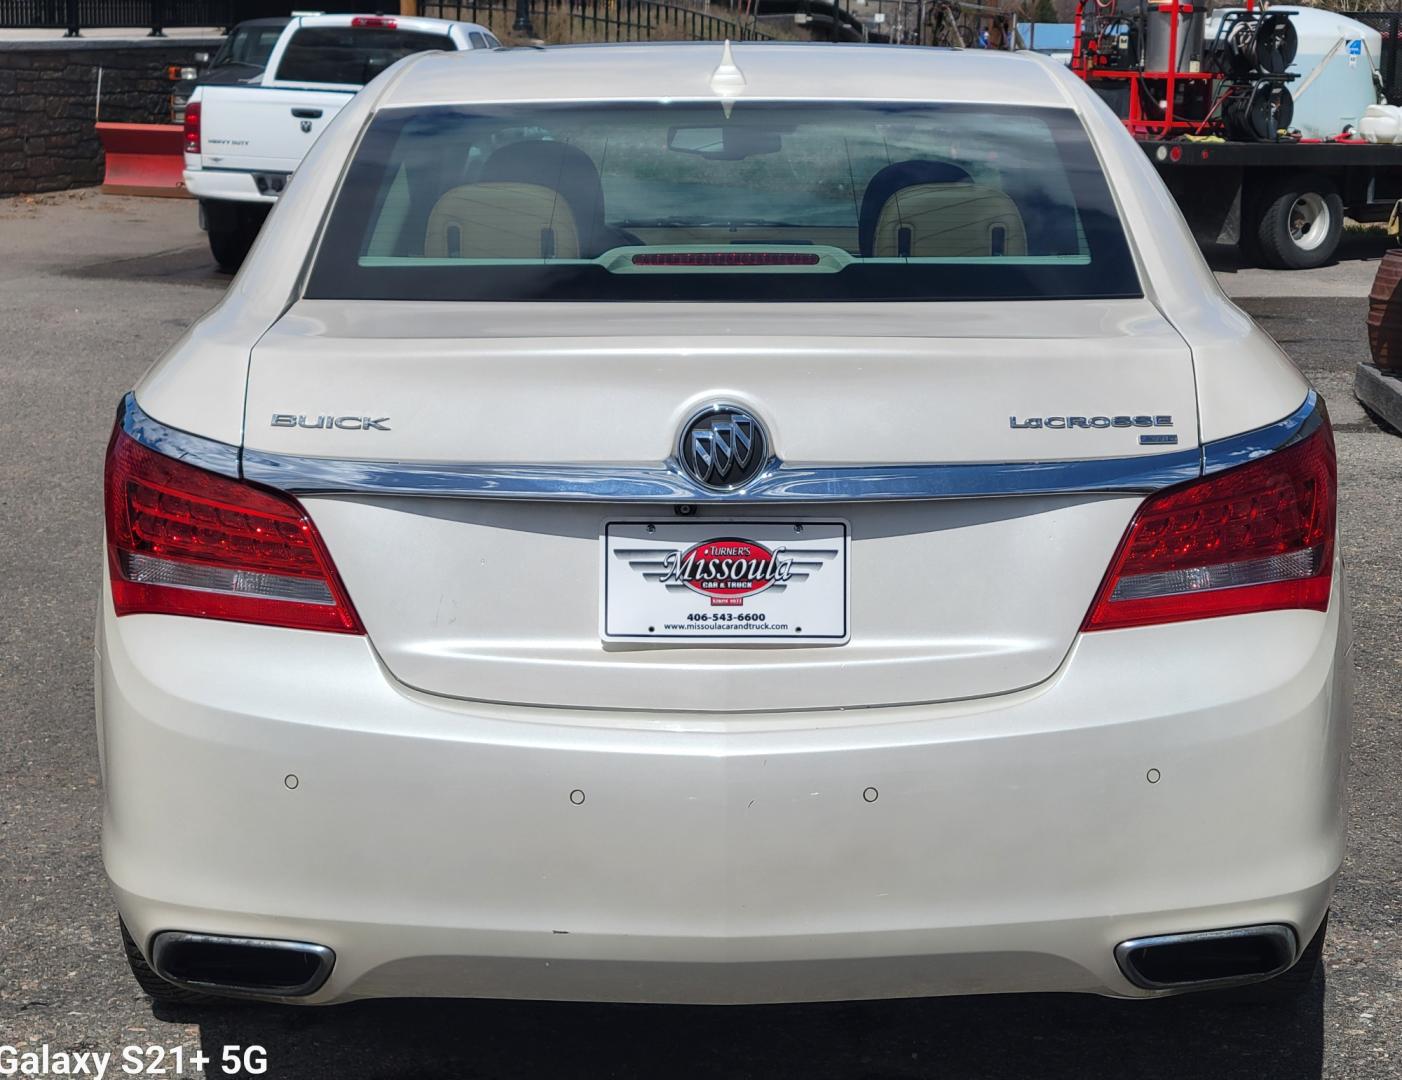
(664, 523)
(1255, 118)
(242, 58)
(244, 139)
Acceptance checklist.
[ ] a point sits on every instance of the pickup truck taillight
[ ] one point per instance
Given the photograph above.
(192, 127)
(184, 541)
(374, 22)
(1257, 537)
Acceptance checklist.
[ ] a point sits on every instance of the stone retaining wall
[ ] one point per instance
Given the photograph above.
(48, 98)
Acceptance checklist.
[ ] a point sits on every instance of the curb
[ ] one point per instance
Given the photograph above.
(1381, 392)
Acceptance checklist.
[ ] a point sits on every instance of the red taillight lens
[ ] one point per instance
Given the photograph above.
(192, 127)
(1258, 537)
(183, 541)
(374, 22)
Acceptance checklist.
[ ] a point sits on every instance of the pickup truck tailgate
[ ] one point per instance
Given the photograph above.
(263, 128)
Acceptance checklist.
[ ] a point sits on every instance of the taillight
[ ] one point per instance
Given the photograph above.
(374, 22)
(192, 127)
(183, 541)
(1257, 537)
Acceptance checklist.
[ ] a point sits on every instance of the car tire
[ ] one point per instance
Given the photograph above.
(1290, 985)
(156, 988)
(1298, 224)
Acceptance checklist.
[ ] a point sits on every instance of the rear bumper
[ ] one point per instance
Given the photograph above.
(452, 848)
(225, 185)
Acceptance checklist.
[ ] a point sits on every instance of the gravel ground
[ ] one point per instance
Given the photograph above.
(94, 287)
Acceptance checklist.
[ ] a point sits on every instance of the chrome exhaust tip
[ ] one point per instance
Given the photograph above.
(1208, 958)
(239, 966)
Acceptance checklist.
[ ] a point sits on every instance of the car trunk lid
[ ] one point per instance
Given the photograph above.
(502, 599)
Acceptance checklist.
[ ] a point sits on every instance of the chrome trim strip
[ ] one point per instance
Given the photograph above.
(172, 442)
(1283, 937)
(667, 483)
(325, 959)
(1239, 449)
(777, 483)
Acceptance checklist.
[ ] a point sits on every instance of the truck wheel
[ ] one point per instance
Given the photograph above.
(1300, 220)
(232, 229)
(230, 247)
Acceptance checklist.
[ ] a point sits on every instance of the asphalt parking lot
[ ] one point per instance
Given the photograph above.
(93, 288)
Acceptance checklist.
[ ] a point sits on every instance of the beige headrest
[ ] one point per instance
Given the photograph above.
(959, 220)
(501, 221)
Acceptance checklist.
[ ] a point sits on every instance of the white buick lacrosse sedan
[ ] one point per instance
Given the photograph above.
(692, 524)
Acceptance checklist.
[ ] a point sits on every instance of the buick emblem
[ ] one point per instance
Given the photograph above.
(723, 448)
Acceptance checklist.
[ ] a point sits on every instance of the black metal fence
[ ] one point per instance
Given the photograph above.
(153, 15)
(594, 20)
(603, 20)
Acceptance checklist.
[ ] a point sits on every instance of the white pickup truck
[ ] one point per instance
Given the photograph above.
(242, 143)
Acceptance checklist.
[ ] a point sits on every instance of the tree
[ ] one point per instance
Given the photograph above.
(1037, 11)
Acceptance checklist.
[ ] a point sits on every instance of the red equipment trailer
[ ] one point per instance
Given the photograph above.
(1213, 113)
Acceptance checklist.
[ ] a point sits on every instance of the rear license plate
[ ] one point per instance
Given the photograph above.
(717, 581)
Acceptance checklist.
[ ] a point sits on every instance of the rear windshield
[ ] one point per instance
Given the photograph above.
(248, 45)
(678, 201)
(351, 55)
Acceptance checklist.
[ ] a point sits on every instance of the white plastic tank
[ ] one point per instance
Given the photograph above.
(1381, 124)
(1334, 69)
